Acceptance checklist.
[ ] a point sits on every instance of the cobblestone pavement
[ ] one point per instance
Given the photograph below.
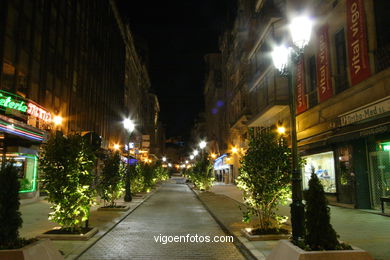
(172, 210)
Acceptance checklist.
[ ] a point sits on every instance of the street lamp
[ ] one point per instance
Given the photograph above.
(195, 153)
(57, 120)
(164, 159)
(192, 157)
(283, 57)
(129, 125)
(202, 145)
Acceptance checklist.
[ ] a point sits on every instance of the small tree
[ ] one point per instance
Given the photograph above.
(265, 178)
(67, 164)
(146, 170)
(10, 217)
(320, 234)
(202, 173)
(110, 180)
(161, 173)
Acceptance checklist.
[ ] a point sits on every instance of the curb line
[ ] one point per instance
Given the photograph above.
(113, 226)
(245, 251)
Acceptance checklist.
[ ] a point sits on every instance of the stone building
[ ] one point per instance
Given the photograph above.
(342, 86)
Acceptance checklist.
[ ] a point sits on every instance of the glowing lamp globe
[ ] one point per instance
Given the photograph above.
(128, 125)
(280, 57)
(300, 28)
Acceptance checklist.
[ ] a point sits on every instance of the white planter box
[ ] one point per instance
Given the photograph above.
(250, 237)
(40, 250)
(285, 250)
(86, 236)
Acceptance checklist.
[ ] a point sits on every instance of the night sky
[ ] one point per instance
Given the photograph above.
(178, 35)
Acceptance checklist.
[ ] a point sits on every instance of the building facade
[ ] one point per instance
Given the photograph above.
(342, 86)
(63, 59)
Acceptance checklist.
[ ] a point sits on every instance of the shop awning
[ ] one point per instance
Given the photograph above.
(20, 129)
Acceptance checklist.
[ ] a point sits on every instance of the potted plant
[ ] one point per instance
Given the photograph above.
(12, 246)
(264, 179)
(110, 184)
(67, 163)
(321, 240)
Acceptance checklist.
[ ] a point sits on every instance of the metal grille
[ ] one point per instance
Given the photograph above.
(379, 176)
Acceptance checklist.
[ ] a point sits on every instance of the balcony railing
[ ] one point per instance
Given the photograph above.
(270, 90)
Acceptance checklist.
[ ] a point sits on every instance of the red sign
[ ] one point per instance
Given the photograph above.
(38, 112)
(300, 80)
(359, 67)
(324, 83)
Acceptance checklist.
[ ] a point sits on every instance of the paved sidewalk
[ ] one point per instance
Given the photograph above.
(35, 222)
(368, 231)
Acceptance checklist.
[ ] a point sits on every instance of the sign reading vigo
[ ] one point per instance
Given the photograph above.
(324, 84)
(359, 67)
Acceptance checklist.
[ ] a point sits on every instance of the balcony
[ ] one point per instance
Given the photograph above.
(268, 98)
(241, 119)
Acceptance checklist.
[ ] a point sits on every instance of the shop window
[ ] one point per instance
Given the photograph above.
(26, 165)
(380, 172)
(322, 165)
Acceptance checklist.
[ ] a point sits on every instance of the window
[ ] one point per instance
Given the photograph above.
(322, 164)
(8, 77)
(312, 87)
(341, 78)
(382, 25)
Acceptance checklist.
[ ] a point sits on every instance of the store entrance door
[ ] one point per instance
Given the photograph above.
(379, 176)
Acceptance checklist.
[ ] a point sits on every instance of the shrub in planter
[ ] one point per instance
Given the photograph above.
(110, 185)
(160, 173)
(136, 179)
(202, 173)
(10, 217)
(67, 164)
(320, 234)
(146, 173)
(265, 180)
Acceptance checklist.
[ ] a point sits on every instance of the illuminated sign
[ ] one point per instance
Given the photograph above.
(10, 101)
(38, 112)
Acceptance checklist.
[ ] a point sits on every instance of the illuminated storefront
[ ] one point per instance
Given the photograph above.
(353, 164)
(23, 127)
(322, 164)
(223, 169)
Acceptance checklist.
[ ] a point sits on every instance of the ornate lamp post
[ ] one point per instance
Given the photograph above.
(283, 59)
(129, 126)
